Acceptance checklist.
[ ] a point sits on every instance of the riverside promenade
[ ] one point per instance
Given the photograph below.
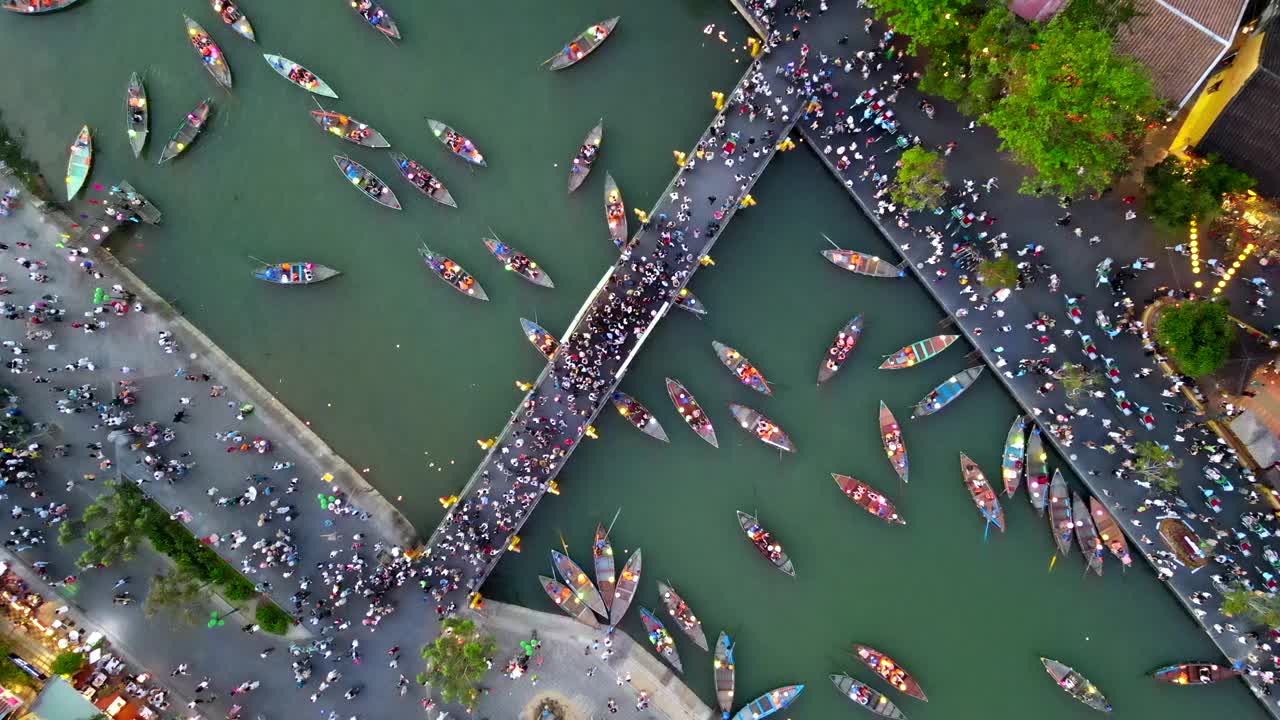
(1031, 220)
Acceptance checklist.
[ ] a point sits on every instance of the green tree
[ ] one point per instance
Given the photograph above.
(115, 525)
(1197, 334)
(457, 660)
(998, 273)
(1076, 379)
(1181, 191)
(273, 619)
(67, 663)
(176, 592)
(970, 68)
(1074, 112)
(1257, 606)
(929, 23)
(1155, 464)
(920, 182)
(11, 676)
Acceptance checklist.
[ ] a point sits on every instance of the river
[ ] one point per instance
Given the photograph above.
(401, 375)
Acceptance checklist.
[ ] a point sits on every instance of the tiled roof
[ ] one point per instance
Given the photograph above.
(1179, 41)
(1217, 16)
(1246, 133)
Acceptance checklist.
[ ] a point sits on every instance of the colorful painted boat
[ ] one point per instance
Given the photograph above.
(980, 491)
(1087, 535)
(891, 437)
(765, 544)
(209, 52)
(687, 301)
(452, 273)
(457, 144)
(615, 212)
(583, 44)
(862, 264)
(918, 352)
(1109, 532)
(688, 623)
(422, 180)
(889, 670)
(1015, 456)
(1076, 685)
(868, 499)
(295, 273)
(564, 599)
(764, 429)
(1183, 542)
(639, 416)
(1037, 465)
(689, 409)
(742, 369)
(602, 560)
(234, 18)
(580, 168)
(542, 341)
(377, 17)
(349, 129)
(136, 203)
(366, 182)
(866, 697)
(723, 669)
(35, 7)
(1060, 522)
(949, 390)
(625, 591)
(579, 582)
(660, 639)
(188, 130)
(517, 262)
(1194, 673)
(298, 75)
(769, 703)
(79, 161)
(136, 114)
(843, 344)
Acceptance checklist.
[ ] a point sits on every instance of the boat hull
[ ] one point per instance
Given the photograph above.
(190, 129)
(662, 642)
(369, 185)
(691, 412)
(580, 167)
(541, 340)
(679, 611)
(1087, 535)
(984, 498)
(1037, 464)
(79, 161)
(136, 114)
(349, 129)
(583, 44)
(723, 670)
(761, 427)
(741, 368)
(519, 263)
(453, 274)
(918, 352)
(564, 599)
(602, 562)
(615, 211)
(1076, 685)
(1194, 673)
(889, 670)
(768, 548)
(639, 416)
(579, 582)
(209, 53)
(467, 150)
(412, 172)
(950, 389)
(845, 341)
(1060, 522)
(866, 697)
(863, 264)
(1015, 456)
(625, 590)
(295, 273)
(868, 499)
(284, 66)
(769, 703)
(894, 446)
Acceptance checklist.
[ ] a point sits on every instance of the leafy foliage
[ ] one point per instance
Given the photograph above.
(1076, 379)
(67, 663)
(1154, 462)
(11, 676)
(929, 23)
(1179, 192)
(920, 182)
(1257, 606)
(176, 593)
(273, 619)
(457, 660)
(998, 273)
(1197, 335)
(969, 69)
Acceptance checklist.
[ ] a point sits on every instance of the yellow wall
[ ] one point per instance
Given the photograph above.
(1208, 105)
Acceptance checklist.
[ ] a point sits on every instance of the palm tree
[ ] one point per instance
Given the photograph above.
(1076, 379)
(1262, 608)
(1156, 464)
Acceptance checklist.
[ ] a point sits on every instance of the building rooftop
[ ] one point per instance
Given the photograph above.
(1246, 133)
(1180, 41)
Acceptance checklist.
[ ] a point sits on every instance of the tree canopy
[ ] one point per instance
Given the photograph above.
(1255, 605)
(176, 592)
(1181, 191)
(1197, 335)
(1156, 464)
(998, 273)
(920, 182)
(929, 23)
(67, 663)
(457, 660)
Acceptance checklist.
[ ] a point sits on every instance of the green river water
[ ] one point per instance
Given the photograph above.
(401, 375)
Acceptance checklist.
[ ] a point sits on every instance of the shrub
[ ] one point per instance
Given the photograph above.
(67, 663)
(1197, 335)
(273, 619)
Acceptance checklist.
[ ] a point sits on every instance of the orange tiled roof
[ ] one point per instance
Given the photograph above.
(1179, 41)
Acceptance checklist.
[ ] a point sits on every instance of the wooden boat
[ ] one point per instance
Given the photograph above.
(1015, 456)
(1087, 535)
(579, 582)
(866, 697)
(422, 180)
(689, 409)
(891, 437)
(35, 7)
(660, 639)
(349, 129)
(190, 128)
(1060, 523)
(602, 560)
(1183, 542)
(889, 670)
(377, 17)
(723, 670)
(1109, 532)
(918, 352)
(136, 114)
(1037, 464)
(136, 202)
(639, 416)
(868, 499)
(687, 301)
(295, 273)
(1076, 685)
(543, 341)
(615, 212)
(765, 544)
(517, 262)
(457, 144)
(625, 591)
(79, 161)
(764, 429)
(298, 75)
(688, 623)
(843, 344)
(1194, 673)
(856, 262)
(452, 273)
(209, 52)
(583, 44)
(580, 168)
(769, 703)
(368, 183)
(980, 490)
(571, 604)
(234, 18)
(949, 390)
(742, 369)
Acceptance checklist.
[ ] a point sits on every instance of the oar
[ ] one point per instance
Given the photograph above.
(611, 522)
(1053, 560)
(833, 244)
(259, 260)
(553, 57)
(563, 544)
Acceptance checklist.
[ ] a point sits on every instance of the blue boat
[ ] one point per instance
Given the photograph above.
(769, 703)
(949, 390)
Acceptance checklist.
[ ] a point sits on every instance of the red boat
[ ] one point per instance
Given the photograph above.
(870, 500)
(887, 668)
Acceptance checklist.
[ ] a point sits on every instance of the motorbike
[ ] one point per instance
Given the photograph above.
(1086, 344)
(1122, 402)
(1073, 310)
(1113, 373)
(1210, 499)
